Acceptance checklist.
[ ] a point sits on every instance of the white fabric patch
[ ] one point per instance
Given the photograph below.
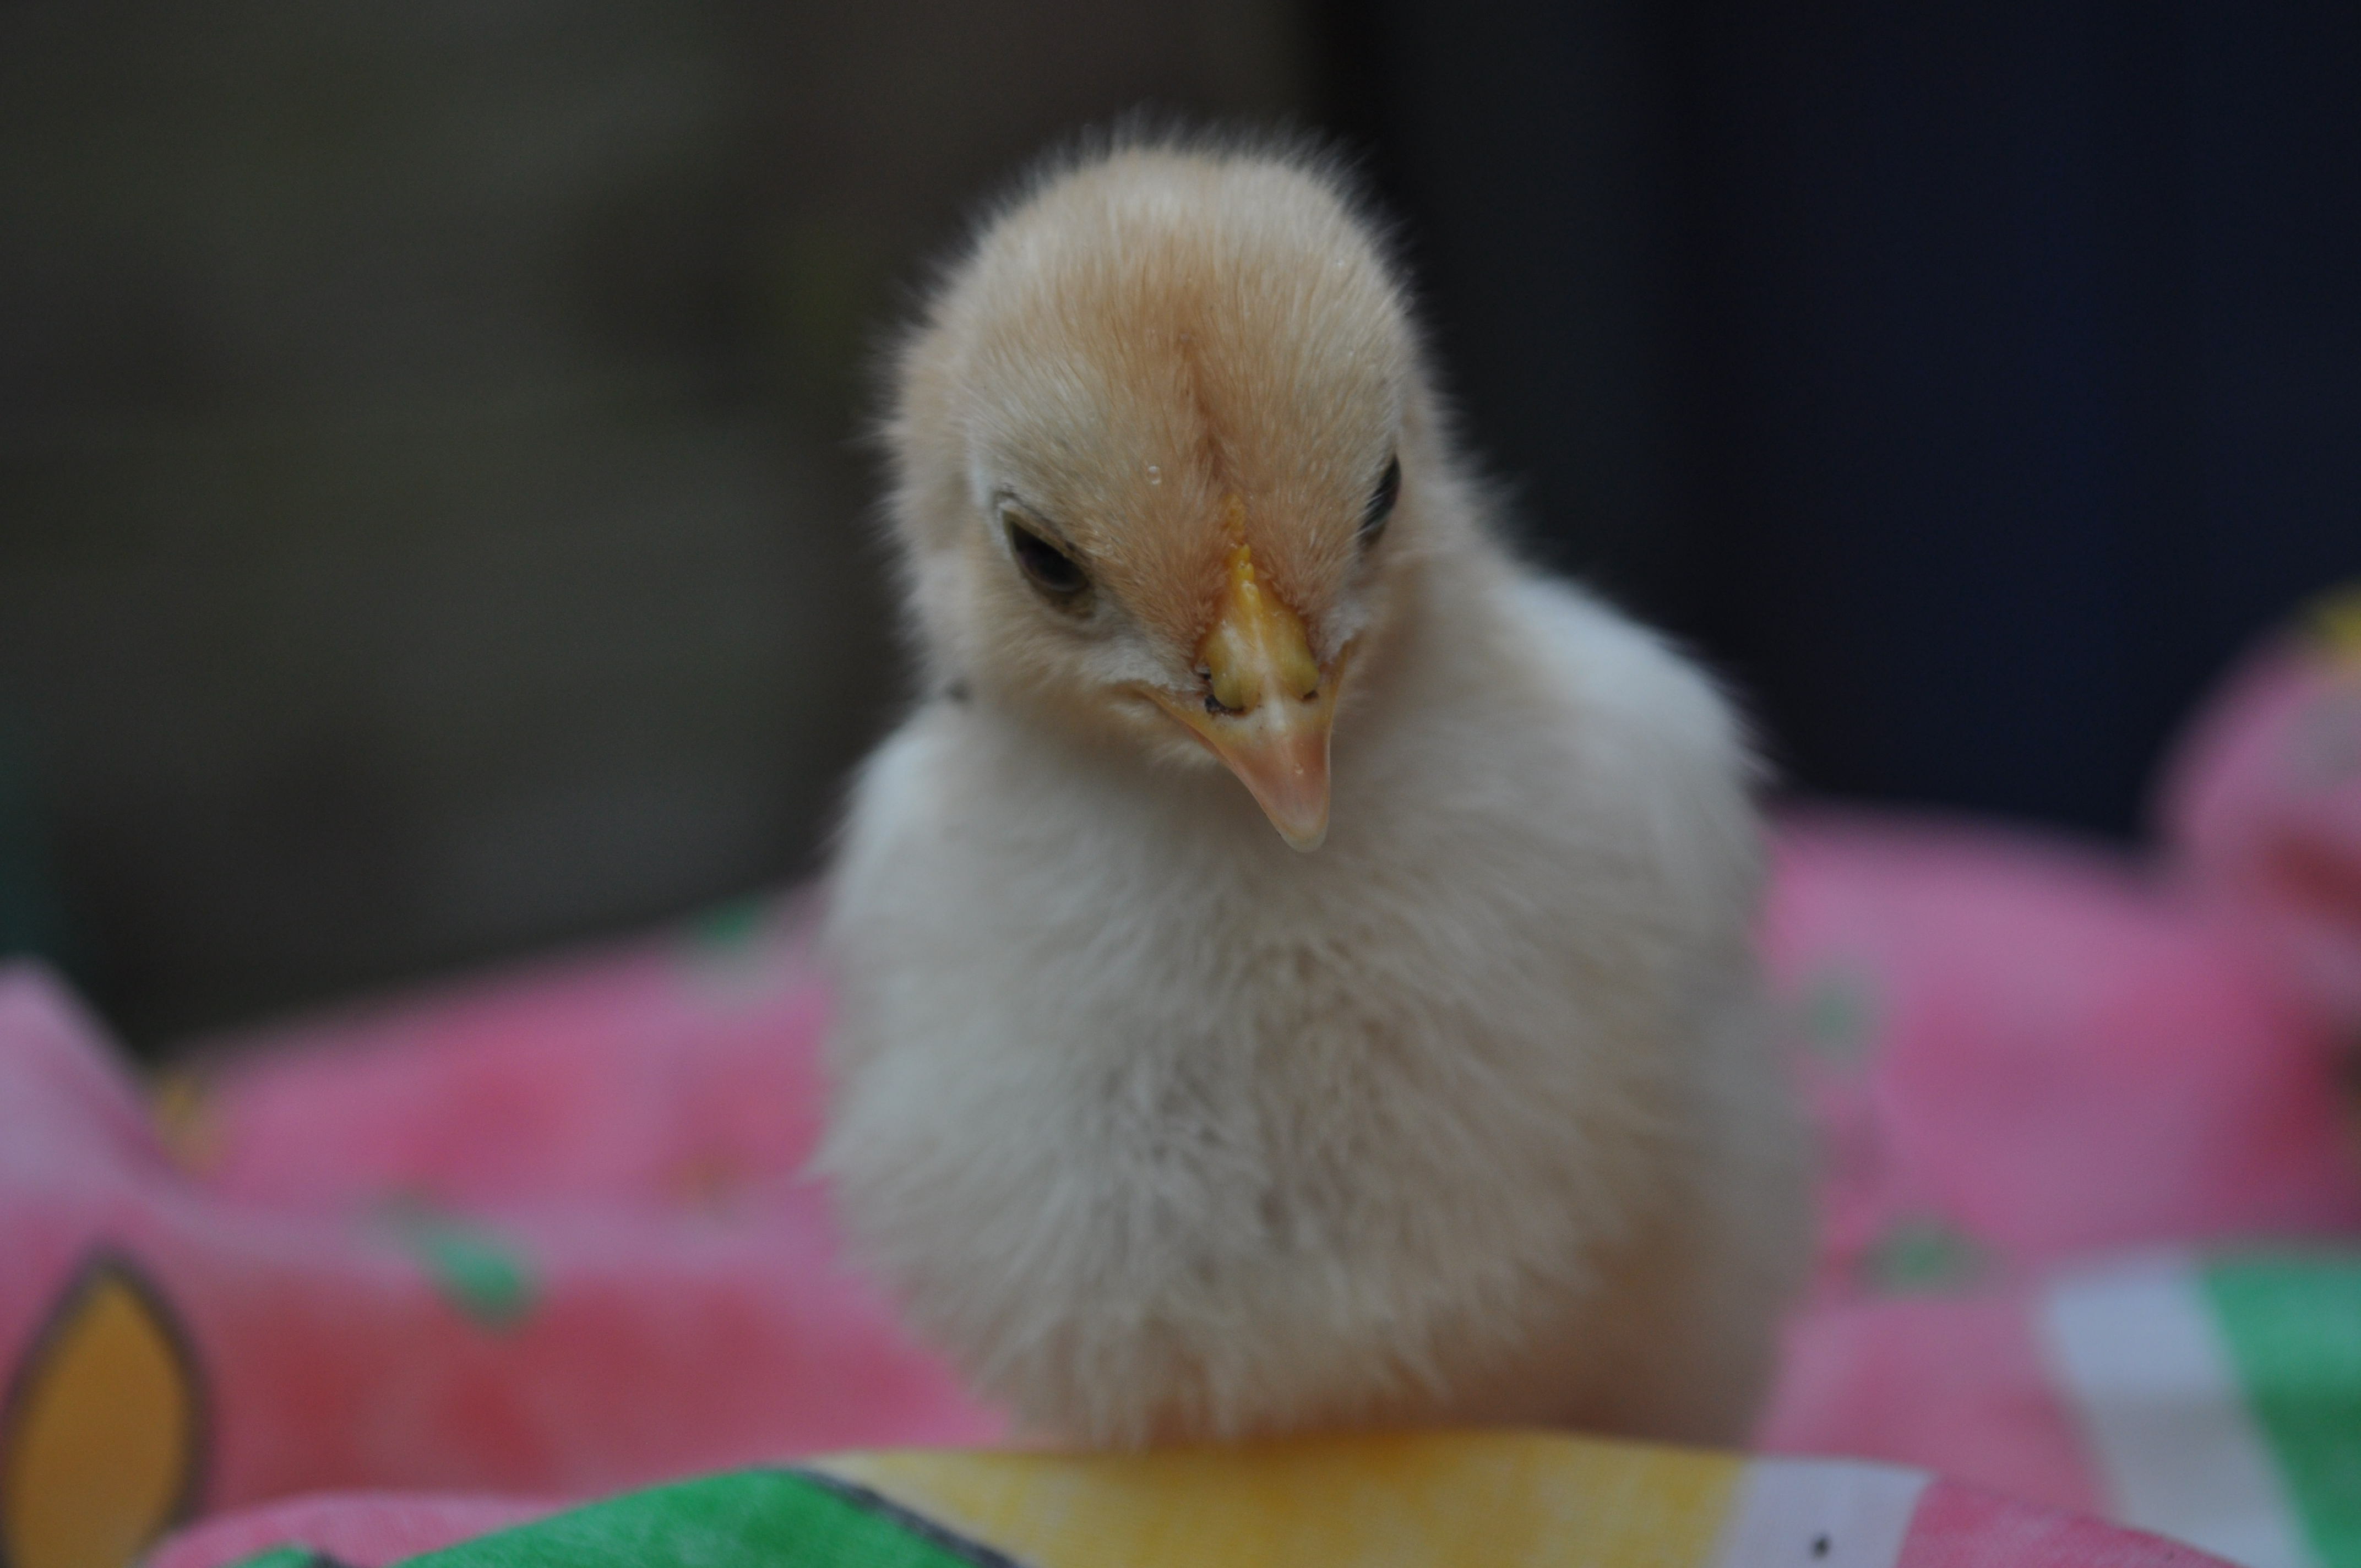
(1820, 1513)
(2135, 1349)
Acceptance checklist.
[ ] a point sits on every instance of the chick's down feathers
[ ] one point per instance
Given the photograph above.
(1445, 1101)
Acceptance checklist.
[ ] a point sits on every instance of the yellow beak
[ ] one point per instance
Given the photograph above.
(1271, 703)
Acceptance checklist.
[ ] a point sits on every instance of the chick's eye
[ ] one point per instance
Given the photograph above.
(1381, 503)
(1047, 567)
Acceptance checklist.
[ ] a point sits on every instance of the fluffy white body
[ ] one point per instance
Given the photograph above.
(1165, 1131)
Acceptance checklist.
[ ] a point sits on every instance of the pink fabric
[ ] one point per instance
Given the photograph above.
(1952, 1385)
(2264, 801)
(2018, 1053)
(645, 1079)
(1959, 1527)
(2035, 1051)
(535, 1309)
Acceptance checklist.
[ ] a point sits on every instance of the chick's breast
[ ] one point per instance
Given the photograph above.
(1463, 1118)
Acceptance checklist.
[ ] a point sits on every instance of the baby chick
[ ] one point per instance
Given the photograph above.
(1444, 1102)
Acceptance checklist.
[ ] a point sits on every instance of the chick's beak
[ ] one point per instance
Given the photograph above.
(1271, 705)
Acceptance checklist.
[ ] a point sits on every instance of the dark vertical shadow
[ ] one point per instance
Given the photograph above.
(1968, 383)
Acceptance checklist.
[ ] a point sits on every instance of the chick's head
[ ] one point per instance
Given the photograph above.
(1163, 454)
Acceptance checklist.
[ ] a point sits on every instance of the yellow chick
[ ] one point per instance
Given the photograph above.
(1447, 1102)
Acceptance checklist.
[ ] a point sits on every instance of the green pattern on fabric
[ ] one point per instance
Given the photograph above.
(281, 1557)
(1836, 1017)
(2294, 1332)
(1922, 1255)
(756, 1519)
(481, 1273)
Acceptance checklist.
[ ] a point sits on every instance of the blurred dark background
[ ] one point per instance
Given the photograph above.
(430, 526)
